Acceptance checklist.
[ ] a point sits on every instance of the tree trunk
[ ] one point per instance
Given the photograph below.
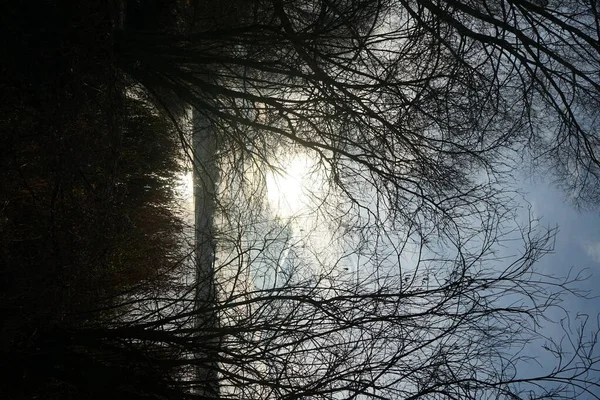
(205, 179)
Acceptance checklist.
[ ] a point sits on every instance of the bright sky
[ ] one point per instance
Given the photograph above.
(577, 248)
(294, 194)
(577, 242)
(289, 189)
(289, 196)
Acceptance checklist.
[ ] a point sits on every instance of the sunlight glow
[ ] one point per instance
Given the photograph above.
(185, 191)
(289, 190)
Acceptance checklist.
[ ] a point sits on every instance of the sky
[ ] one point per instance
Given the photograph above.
(577, 245)
(577, 248)
(578, 238)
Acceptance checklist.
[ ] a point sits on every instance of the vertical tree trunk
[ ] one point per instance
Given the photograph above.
(205, 179)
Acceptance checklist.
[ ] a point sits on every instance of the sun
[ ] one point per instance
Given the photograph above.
(289, 189)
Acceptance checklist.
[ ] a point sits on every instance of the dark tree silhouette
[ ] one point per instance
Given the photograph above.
(415, 92)
(415, 113)
(292, 325)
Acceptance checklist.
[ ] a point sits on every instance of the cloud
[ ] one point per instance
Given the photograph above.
(592, 249)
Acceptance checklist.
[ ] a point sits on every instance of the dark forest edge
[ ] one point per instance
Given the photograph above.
(89, 204)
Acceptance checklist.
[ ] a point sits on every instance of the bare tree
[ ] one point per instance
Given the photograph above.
(415, 112)
(441, 326)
